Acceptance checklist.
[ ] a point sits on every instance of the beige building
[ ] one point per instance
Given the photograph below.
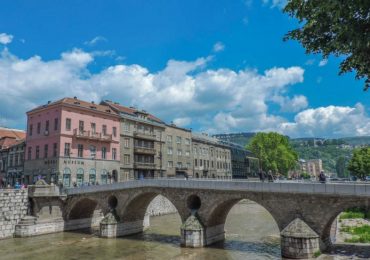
(211, 158)
(141, 143)
(177, 152)
(312, 167)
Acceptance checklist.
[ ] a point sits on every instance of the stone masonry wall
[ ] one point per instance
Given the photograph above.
(13, 207)
(160, 206)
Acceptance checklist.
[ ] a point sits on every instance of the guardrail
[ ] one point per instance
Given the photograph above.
(360, 189)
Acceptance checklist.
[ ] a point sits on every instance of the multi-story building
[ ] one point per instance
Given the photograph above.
(142, 139)
(11, 155)
(73, 142)
(243, 163)
(312, 167)
(212, 159)
(177, 152)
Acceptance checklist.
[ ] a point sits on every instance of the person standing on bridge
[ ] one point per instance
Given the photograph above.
(322, 177)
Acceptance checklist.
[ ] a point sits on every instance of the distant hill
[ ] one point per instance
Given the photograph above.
(358, 140)
(238, 138)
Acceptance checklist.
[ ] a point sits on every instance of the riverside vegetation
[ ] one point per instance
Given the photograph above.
(355, 226)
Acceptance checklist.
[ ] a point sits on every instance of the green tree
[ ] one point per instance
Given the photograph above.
(359, 164)
(274, 152)
(337, 27)
(340, 167)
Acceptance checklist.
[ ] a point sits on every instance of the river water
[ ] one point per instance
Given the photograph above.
(251, 233)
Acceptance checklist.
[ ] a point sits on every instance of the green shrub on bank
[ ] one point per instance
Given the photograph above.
(353, 213)
(360, 234)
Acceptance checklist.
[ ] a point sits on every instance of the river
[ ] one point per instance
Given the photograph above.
(251, 233)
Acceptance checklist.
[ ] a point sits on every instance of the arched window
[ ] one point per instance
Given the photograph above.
(80, 176)
(67, 177)
(92, 176)
(104, 176)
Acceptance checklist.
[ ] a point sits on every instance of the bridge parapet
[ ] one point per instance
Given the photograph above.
(349, 189)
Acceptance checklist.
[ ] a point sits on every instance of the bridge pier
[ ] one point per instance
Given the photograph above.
(192, 232)
(299, 241)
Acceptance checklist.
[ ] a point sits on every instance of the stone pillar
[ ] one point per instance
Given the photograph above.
(299, 241)
(192, 232)
(109, 225)
(25, 227)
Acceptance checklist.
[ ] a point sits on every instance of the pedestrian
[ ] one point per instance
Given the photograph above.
(269, 176)
(322, 177)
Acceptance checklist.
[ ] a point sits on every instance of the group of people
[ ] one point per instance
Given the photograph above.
(270, 177)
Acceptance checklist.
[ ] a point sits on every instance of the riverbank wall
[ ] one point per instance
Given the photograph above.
(13, 207)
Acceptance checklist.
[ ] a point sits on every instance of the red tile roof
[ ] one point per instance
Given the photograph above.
(133, 111)
(12, 133)
(78, 103)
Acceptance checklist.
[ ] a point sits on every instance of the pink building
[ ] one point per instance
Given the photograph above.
(73, 142)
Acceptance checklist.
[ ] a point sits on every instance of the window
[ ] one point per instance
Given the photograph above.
(103, 177)
(169, 150)
(31, 128)
(46, 148)
(93, 128)
(55, 149)
(29, 155)
(179, 152)
(188, 165)
(196, 163)
(169, 164)
(169, 138)
(92, 151)
(179, 165)
(114, 131)
(114, 153)
(38, 128)
(126, 127)
(92, 176)
(80, 150)
(81, 126)
(80, 176)
(67, 149)
(187, 153)
(126, 159)
(67, 177)
(37, 152)
(178, 139)
(11, 160)
(68, 124)
(103, 152)
(126, 143)
(200, 162)
(195, 150)
(187, 141)
(212, 164)
(56, 124)
(104, 130)
(47, 126)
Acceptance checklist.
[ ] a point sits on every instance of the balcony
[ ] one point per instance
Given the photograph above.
(144, 150)
(143, 165)
(92, 136)
(145, 135)
(181, 168)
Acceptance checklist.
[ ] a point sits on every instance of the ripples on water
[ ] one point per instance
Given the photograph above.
(251, 233)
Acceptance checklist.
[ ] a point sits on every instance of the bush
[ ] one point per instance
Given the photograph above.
(360, 234)
(353, 213)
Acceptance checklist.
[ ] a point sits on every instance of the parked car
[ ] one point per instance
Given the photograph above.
(367, 178)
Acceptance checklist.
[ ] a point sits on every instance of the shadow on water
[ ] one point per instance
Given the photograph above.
(359, 251)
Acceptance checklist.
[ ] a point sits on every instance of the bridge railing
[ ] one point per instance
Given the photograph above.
(356, 189)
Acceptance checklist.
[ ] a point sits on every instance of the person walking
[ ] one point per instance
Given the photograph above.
(322, 177)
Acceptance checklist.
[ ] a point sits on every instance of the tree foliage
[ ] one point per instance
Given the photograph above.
(359, 164)
(274, 152)
(340, 167)
(338, 27)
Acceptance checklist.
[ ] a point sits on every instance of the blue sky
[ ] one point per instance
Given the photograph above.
(214, 66)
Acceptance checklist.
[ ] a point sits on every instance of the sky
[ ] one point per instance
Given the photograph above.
(212, 66)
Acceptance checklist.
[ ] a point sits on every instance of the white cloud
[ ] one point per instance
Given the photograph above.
(95, 40)
(186, 92)
(5, 38)
(275, 3)
(219, 46)
(323, 62)
(329, 121)
(182, 121)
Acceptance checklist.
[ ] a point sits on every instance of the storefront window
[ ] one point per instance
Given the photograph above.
(92, 176)
(104, 177)
(80, 176)
(67, 177)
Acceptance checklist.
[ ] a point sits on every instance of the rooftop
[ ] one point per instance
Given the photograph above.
(12, 133)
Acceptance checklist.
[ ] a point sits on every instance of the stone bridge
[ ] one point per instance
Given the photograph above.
(304, 212)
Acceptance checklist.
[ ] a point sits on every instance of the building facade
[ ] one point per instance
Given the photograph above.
(212, 159)
(177, 152)
(73, 142)
(312, 167)
(141, 143)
